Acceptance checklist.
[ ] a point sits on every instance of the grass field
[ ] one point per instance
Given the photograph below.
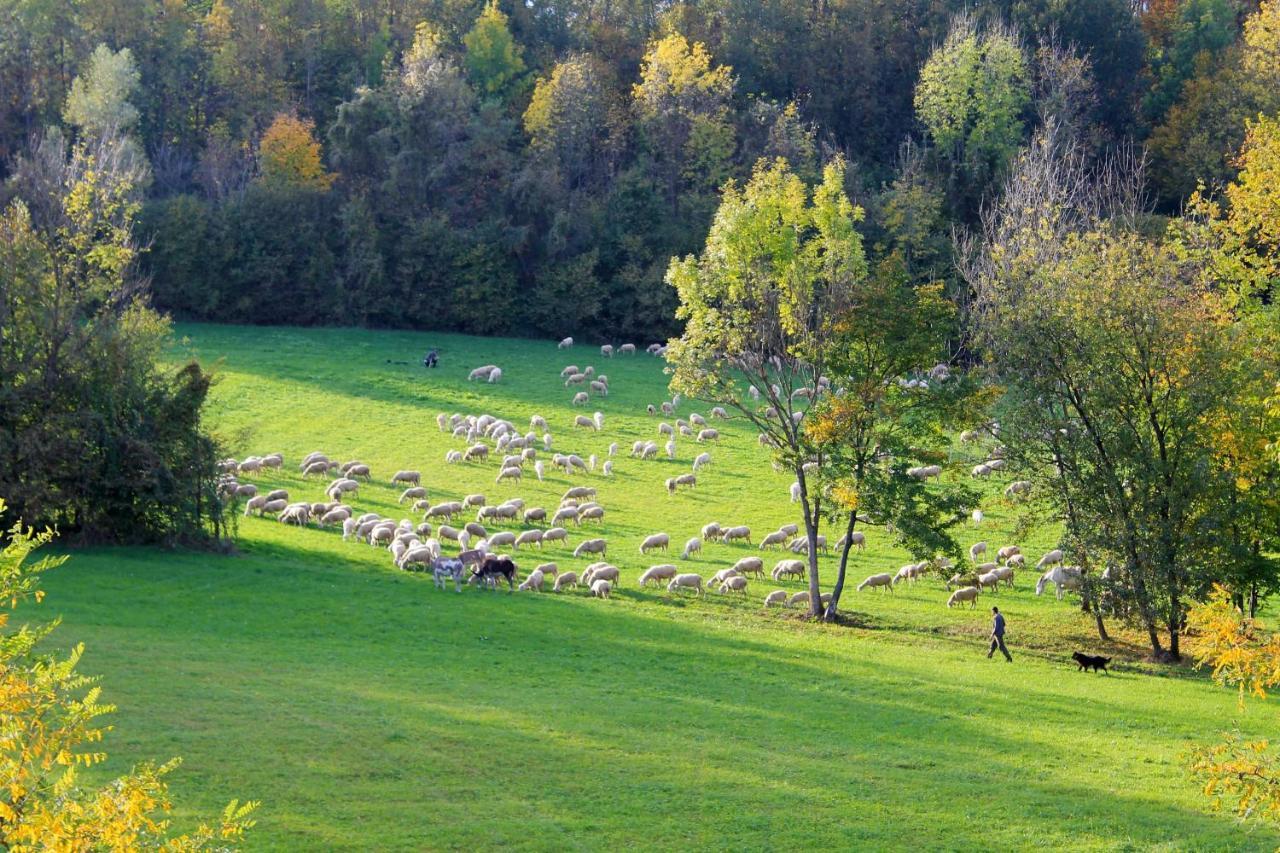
(370, 711)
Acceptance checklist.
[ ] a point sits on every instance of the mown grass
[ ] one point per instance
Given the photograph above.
(369, 710)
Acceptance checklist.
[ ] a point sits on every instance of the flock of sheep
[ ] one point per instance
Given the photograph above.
(488, 439)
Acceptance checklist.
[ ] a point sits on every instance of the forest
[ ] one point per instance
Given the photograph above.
(531, 168)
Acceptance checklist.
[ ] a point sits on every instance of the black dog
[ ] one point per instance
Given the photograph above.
(492, 568)
(1095, 662)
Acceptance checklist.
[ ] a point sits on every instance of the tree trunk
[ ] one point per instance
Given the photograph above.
(811, 534)
(1102, 629)
(830, 612)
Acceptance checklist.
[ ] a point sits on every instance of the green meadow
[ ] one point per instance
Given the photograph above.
(369, 710)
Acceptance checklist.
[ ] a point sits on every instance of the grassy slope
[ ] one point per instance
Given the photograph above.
(362, 705)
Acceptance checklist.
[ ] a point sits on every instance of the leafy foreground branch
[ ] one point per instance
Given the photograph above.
(50, 729)
(1238, 773)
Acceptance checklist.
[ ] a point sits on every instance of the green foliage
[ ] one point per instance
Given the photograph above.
(99, 97)
(494, 60)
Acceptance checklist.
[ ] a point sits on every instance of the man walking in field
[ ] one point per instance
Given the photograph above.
(997, 635)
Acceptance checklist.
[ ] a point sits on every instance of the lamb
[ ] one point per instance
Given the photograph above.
(413, 477)
(671, 450)
(693, 546)
(409, 494)
(700, 460)
(664, 572)
(568, 579)
(601, 588)
(591, 546)
(884, 580)
(655, 541)
(686, 581)
(968, 593)
(565, 344)
(788, 568)
(733, 533)
(734, 584)
(750, 566)
(453, 457)
(778, 597)
(533, 582)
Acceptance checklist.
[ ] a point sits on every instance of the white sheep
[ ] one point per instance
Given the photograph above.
(693, 546)
(664, 572)
(607, 351)
(581, 398)
(565, 343)
(795, 492)
(975, 549)
(409, 494)
(776, 538)
(655, 541)
(967, 593)
(410, 477)
(788, 568)
(528, 537)
(533, 582)
(1017, 487)
(568, 579)
(778, 597)
(601, 588)
(883, 580)
(591, 546)
(1049, 559)
(750, 566)
(686, 581)
(495, 374)
(734, 584)
(700, 460)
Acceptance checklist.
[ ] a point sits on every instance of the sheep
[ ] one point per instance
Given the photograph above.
(246, 490)
(598, 418)
(310, 458)
(534, 514)
(444, 531)
(734, 584)
(796, 493)
(1008, 551)
(977, 517)
(277, 494)
(481, 372)
(799, 598)
(664, 572)
(565, 344)
(335, 516)
(686, 581)
(533, 582)
(515, 472)
(601, 588)
(996, 464)
(581, 398)
(568, 579)
(778, 596)
(742, 532)
(1017, 487)
(969, 436)
(594, 513)
(982, 470)
(446, 510)
(693, 546)
(475, 529)
(627, 349)
(750, 566)
(599, 387)
(700, 460)
(477, 452)
(415, 492)
(689, 480)
(1049, 559)
(656, 541)
(349, 528)
(613, 450)
(453, 457)
(770, 540)
(1016, 560)
(575, 379)
(1004, 573)
(249, 466)
(924, 472)
(788, 568)
(555, 534)
(667, 409)
(256, 502)
(649, 451)
(568, 513)
(911, 571)
(711, 530)
(650, 409)
(591, 546)
(884, 580)
(975, 549)
(584, 421)
(273, 460)
(298, 514)
(600, 571)
(411, 477)
(708, 435)
(606, 470)
(529, 537)
(989, 579)
(968, 593)
(607, 351)
(538, 422)
(473, 500)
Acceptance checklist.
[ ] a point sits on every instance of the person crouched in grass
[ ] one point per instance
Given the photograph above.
(997, 635)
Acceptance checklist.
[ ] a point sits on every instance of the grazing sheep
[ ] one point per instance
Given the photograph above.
(584, 421)
(568, 579)
(796, 493)
(734, 584)
(600, 571)
(799, 598)
(711, 531)
(581, 398)
(453, 457)
(788, 568)
(1049, 559)
(481, 372)
(256, 502)
(515, 472)
(700, 460)
(1005, 573)
(686, 581)
(607, 351)
(598, 418)
(502, 539)
(495, 375)
(299, 514)
(975, 549)
(977, 517)
(565, 344)
(555, 534)
(982, 470)
(473, 500)
(627, 349)
(968, 593)
(689, 480)
(601, 588)
(778, 597)
(533, 582)
(412, 477)
(475, 529)
(591, 546)
(1016, 560)
(750, 566)
(884, 580)
(693, 546)
(535, 514)
(708, 435)
(1008, 551)
(606, 470)
(478, 452)
(989, 579)
(246, 490)
(335, 516)
(664, 572)
(529, 537)
(599, 387)
(1017, 487)
(656, 541)
(742, 532)
(415, 492)
(911, 571)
